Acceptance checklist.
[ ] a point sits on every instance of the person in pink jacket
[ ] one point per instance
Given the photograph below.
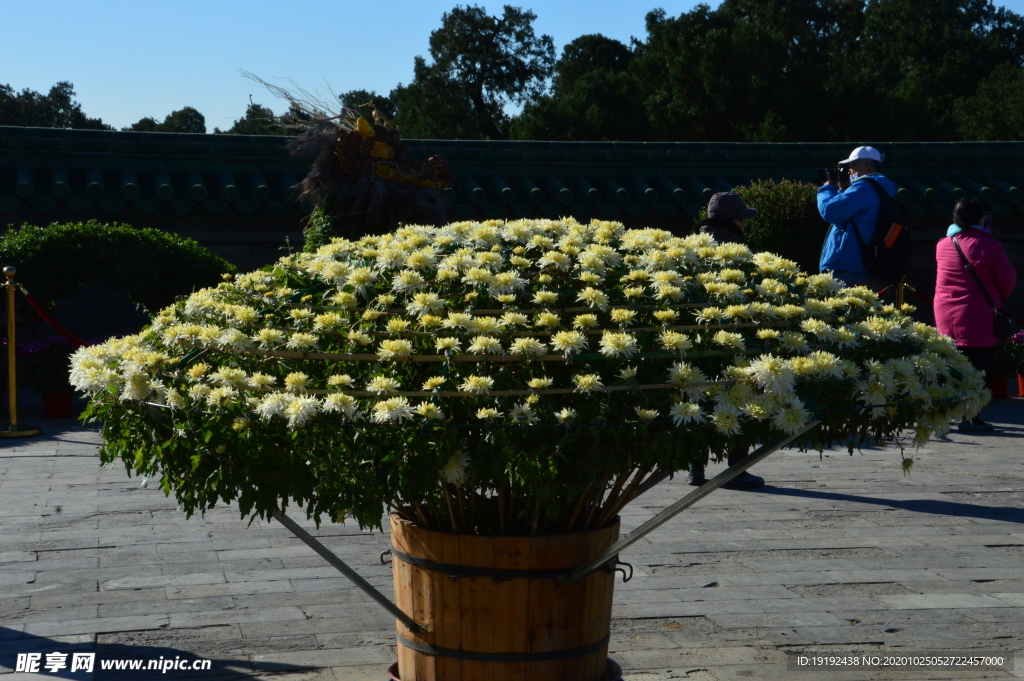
(961, 310)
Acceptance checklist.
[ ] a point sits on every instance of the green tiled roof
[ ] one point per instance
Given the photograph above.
(615, 180)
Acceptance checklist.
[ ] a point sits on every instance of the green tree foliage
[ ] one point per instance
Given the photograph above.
(261, 120)
(774, 70)
(186, 119)
(996, 109)
(361, 101)
(592, 98)
(480, 63)
(56, 109)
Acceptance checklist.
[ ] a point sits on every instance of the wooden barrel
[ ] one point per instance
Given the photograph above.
(493, 607)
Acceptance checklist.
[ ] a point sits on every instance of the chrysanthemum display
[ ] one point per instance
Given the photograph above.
(492, 377)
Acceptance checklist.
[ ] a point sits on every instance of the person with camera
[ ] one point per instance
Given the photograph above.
(848, 200)
(973, 280)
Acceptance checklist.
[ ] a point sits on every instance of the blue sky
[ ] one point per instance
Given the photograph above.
(145, 58)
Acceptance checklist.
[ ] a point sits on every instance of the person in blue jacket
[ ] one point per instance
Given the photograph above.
(853, 205)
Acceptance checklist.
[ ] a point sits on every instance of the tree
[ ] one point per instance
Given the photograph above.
(57, 109)
(480, 63)
(360, 100)
(186, 119)
(996, 109)
(593, 97)
(914, 65)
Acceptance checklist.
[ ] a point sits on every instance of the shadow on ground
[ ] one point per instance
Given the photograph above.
(133, 661)
(1010, 514)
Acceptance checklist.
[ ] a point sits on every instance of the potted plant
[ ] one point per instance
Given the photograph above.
(47, 363)
(1015, 351)
(502, 390)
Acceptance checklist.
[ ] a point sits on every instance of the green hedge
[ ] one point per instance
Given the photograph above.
(153, 267)
(787, 222)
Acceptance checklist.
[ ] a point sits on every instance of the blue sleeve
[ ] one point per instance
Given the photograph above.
(838, 207)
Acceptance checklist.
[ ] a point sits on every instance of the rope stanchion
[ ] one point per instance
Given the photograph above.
(13, 429)
(51, 321)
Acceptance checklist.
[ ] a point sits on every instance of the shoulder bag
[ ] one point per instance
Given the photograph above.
(1003, 324)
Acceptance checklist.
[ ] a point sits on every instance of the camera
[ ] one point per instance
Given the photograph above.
(830, 174)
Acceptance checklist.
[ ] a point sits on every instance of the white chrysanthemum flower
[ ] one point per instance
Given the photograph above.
(504, 283)
(623, 317)
(197, 392)
(137, 385)
(484, 325)
(615, 344)
(565, 415)
(272, 405)
(261, 381)
(406, 279)
(846, 338)
(569, 342)
(300, 314)
(587, 383)
(645, 414)
(673, 341)
(300, 410)
(628, 374)
(478, 276)
(710, 315)
(394, 349)
(296, 381)
(488, 414)
(359, 337)
(593, 298)
(479, 385)
(434, 382)
(454, 470)
(665, 316)
(523, 414)
(233, 339)
(729, 339)
(485, 344)
(396, 325)
(793, 341)
(447, 344)
(424, 303)
(429, 411)
(818, 329)
(773, 374)
(683, 413)
(382, 385)
(269, 337)
(340, 381)
(339, 402)
(530, 347)
(792, 418)
(361, 278)
(230, 377)
(540, 383)
(301, 341)
(392, 410)
(173, 399)
(515, 319)
(726, 419)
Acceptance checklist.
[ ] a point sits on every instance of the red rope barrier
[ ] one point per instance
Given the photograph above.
(53, 322)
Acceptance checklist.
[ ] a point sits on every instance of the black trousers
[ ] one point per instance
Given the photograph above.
(981, 358)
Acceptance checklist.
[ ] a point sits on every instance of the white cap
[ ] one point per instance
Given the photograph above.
(863, 152)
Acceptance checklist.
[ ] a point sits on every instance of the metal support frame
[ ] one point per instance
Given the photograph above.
(608, 555)
(675, 509)
(344, 569)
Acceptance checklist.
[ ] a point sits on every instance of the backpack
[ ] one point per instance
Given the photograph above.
(888, 255)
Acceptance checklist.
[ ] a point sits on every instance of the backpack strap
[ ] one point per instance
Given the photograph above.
(884, 201)
(974, 275)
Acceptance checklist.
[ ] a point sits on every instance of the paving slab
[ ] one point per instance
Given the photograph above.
(837, 554)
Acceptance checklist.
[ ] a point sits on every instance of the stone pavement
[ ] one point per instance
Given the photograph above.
(838, 555)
